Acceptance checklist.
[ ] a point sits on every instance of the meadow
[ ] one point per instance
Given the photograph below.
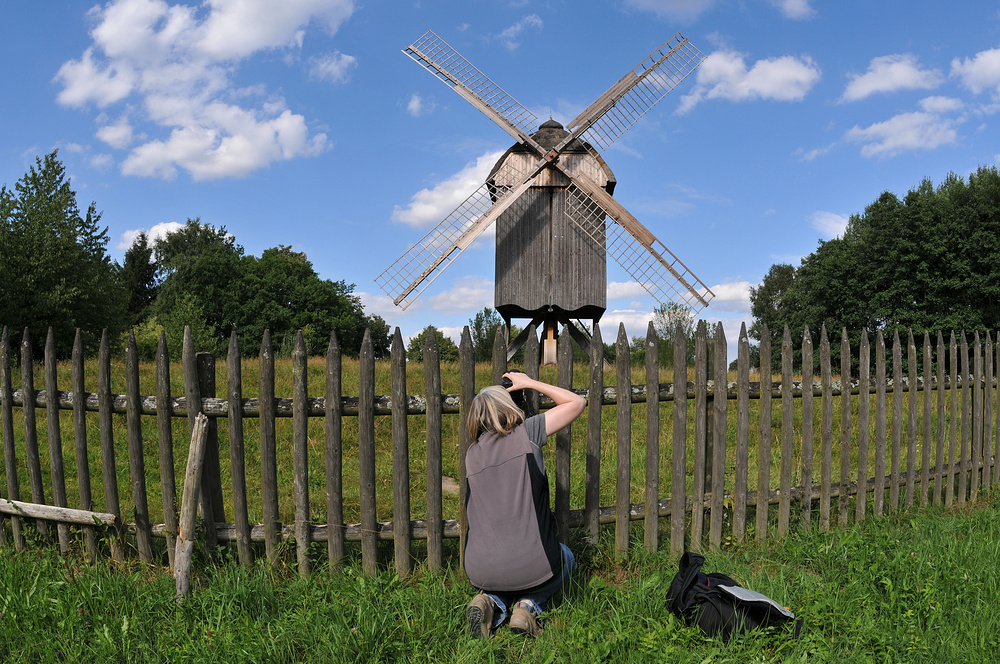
(900, 588)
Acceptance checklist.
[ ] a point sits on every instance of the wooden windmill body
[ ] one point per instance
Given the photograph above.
(550, 196)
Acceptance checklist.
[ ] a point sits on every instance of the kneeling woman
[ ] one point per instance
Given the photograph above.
(512, 551)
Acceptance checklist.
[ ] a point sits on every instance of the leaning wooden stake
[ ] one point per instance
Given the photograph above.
(189, 506)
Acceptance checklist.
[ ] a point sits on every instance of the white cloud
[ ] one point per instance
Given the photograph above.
(469, 293)
(794, 9)
(979, 73)
(417, 106)
(174, 65)
(725, 75)
(829, 225)
(809, 155)
(625, 290)
(683, 10)
(941, 104)
(102, 162)
(117, 135)
(903, 133)
(429, 206)
(891, 73)
(333, 67)
(510, 37)
(158, 231)
(731, 297)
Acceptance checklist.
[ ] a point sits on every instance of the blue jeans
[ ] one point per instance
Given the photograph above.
(536, 596)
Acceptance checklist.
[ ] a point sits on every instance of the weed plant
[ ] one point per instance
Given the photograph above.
(901, 588)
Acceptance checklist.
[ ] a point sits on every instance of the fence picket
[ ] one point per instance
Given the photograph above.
(80, 446)
(192, 394)
(878, 500)
(785, 502)
(911, 429)
(826, 431)
(963, 455)
(237, 456)
(401, 456)
(467, 382)
(864, 406)
(897, 421)
(719, 439)
(54, 434)
(136, 460)
(432, 388)
(678, 488)
(623, 470)
(742, 435)
(13, 491)
(31, 431)
(807, 427)
(845, 426)
(939, 477)
(652, 497)
(300, 453)
(764, 449)
(925, 473)
(564, 437)
(366, 455)
(987, 458)
(334, 457)
(108, 466)
(595, 397)
(700, 434)
(977, 417)
(268, 452)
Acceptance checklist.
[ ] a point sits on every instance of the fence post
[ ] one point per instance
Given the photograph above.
(742, 436)
(467, 391)
(807, 426)
(268, 452)
(785, 492)
(911, 432)
(702, 431)
(721, 404)
(826, 430)
(31, 431)
(845, 425)
(897, 420)
(366, 456)
(864, 405)
(401, 457)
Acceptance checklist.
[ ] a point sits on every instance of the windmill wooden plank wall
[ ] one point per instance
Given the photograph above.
(924, 451)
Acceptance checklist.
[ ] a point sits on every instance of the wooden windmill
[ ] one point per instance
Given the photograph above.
(550, 196)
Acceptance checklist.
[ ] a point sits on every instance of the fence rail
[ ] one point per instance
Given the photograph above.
(948, 444)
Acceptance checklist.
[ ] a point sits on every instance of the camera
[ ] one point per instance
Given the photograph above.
(517, 396)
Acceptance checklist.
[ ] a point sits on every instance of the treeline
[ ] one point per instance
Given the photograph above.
(55, 272)
(929, 261)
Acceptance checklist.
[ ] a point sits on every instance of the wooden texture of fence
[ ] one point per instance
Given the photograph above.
(949, 447)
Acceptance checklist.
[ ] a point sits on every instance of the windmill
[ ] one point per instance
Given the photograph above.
(550, 196)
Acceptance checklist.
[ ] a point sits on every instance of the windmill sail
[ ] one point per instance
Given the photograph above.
(416, 269)
(601, 123)
(447, 64)
(634, 247)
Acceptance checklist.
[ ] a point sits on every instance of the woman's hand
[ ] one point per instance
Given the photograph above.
(518, 380)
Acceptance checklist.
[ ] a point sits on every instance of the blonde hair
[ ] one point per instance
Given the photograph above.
(492, 410)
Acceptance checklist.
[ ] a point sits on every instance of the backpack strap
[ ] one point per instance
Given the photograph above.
(679, 594)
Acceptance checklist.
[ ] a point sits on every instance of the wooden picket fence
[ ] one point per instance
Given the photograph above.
(950, 445)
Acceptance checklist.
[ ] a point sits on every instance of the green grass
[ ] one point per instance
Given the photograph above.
(902, 588)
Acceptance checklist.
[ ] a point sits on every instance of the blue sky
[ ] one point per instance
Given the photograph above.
(302, 123)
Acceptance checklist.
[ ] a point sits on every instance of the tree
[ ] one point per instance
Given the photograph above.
(929, 261)
(447, 350)
(54, 266)
(137, 279)
(483, 330)
(669, 319)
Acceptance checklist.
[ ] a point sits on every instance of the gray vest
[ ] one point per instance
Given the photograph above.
(511, 541)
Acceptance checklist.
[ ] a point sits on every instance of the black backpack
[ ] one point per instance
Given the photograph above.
(719, 605)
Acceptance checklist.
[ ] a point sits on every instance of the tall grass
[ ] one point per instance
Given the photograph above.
(902, 588)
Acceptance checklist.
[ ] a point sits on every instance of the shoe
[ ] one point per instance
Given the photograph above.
(479, 614)
(523, 621)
